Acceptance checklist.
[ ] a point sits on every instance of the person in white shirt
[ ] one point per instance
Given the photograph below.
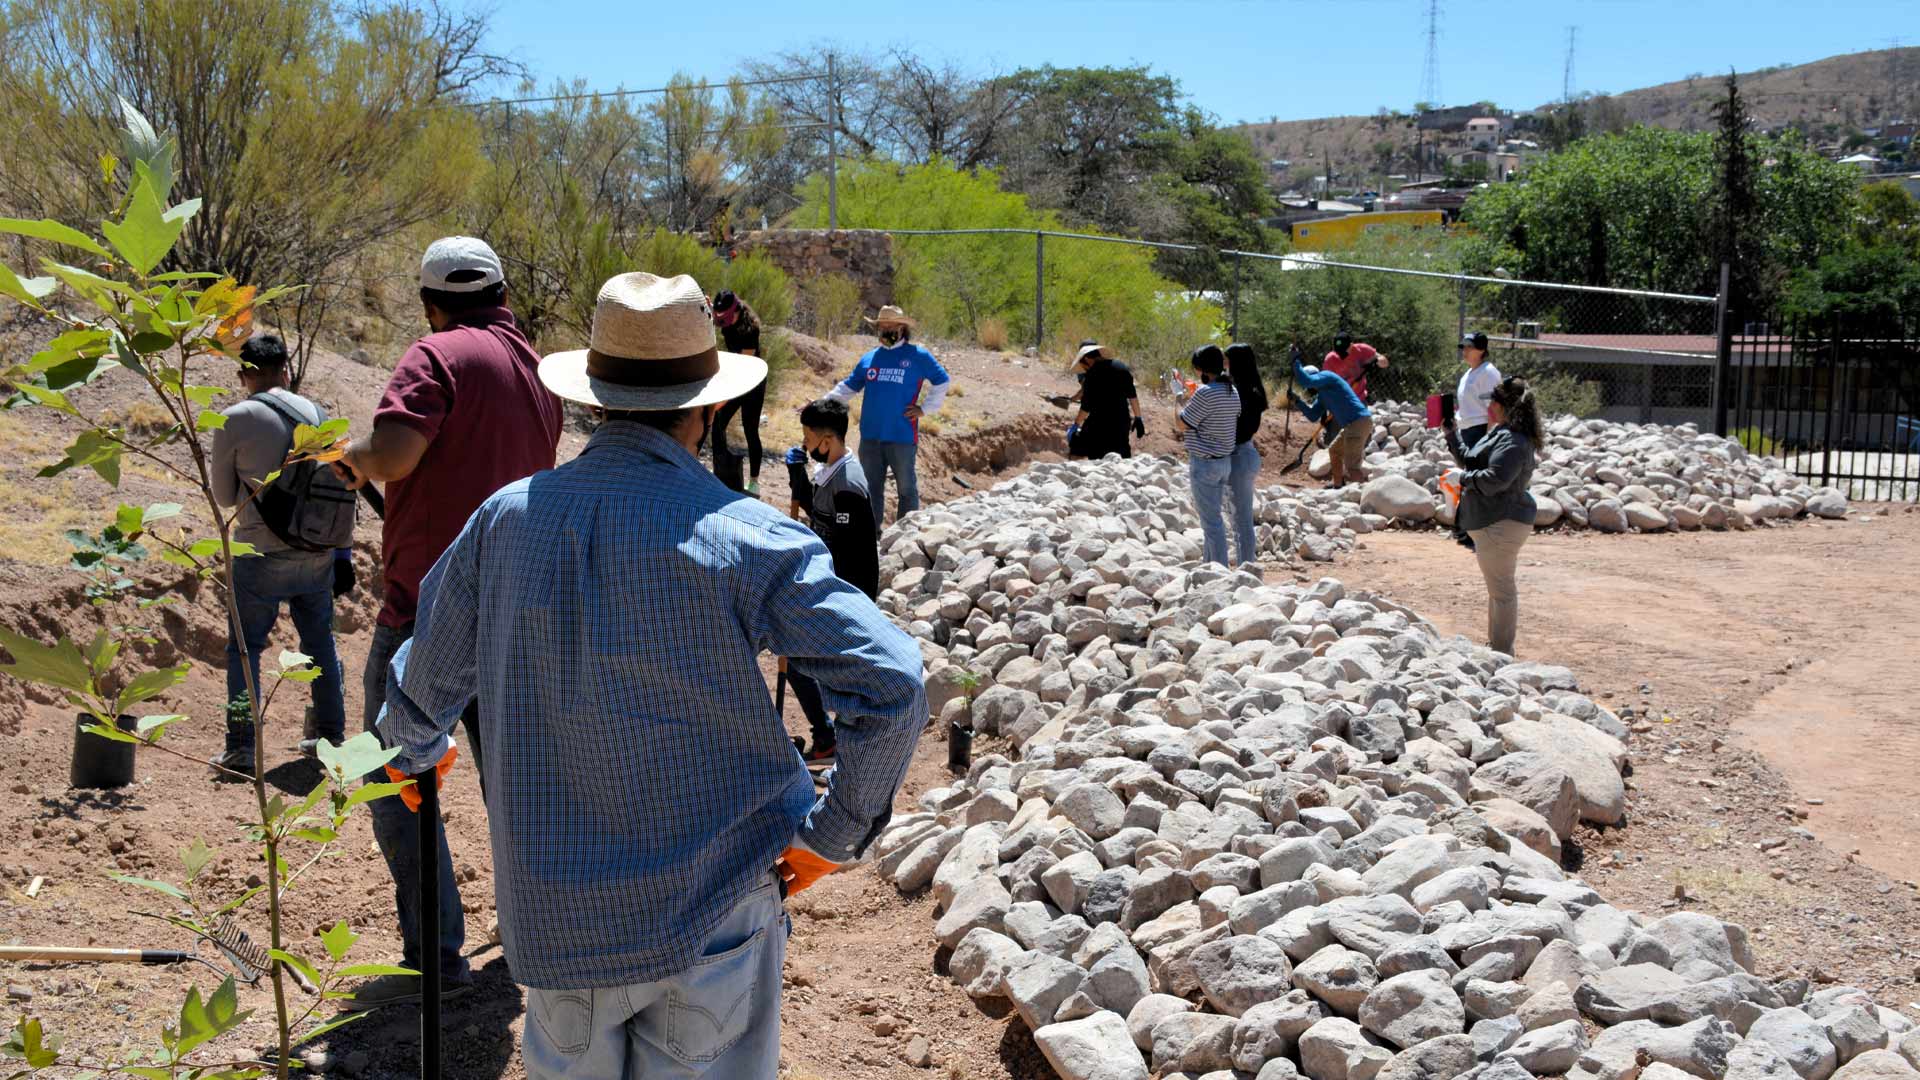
(1476, 388)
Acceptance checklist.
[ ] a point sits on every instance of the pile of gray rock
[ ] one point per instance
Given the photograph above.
(1595, 474)
(1255, 830)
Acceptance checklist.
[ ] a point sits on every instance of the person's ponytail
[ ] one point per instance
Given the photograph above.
(1522, 411)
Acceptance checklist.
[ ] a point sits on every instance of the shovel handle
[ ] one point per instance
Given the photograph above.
(61, 953)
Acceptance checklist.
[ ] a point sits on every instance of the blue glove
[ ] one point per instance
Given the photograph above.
(1073, 430)
(796, 456)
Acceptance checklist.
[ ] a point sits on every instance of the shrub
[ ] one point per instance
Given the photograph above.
(991, 333)
(1559, 392)
(831, 306)
(1758, 442)
(765, 287)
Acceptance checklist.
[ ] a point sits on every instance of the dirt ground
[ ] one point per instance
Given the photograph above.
(1793, 643)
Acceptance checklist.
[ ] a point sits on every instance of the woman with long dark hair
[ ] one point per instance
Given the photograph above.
(1244, 370)
(740, 330)
(1496, 509)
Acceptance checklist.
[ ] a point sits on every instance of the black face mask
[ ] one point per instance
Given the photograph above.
(1080, 377)
(819, 455)
(889, 337)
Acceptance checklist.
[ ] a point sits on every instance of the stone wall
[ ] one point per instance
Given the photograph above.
(864, 255)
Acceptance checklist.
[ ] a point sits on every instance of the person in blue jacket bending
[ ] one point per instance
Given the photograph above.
(1333, 397)
(891, 376)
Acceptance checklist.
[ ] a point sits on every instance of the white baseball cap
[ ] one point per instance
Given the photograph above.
(462, 255)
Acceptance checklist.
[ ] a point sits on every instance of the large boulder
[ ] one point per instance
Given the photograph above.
(1412, 1008)
(1396, 497)
(1533, 780)
(1096, 1047)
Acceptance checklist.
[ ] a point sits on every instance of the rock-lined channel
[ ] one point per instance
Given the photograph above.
(1267, 830)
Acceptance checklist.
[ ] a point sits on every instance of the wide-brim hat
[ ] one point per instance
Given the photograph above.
(1088, 349)
(651, 350)
(890, 315)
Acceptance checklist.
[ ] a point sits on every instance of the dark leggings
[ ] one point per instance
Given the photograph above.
(748, 406)
(807, 693)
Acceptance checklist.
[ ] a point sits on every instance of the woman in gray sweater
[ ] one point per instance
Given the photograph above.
(1496, 509)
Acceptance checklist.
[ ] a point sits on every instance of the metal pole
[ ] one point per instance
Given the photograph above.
(833, 146)
(428, 783)
(1233, 320)
(1723, 357)
(1039, 289)
(1463, 311)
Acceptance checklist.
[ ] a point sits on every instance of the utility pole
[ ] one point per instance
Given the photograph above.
(1566, 79)
(833, 146)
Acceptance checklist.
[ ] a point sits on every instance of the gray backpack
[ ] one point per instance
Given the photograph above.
(306, 506)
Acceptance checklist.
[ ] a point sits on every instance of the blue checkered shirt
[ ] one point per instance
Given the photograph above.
(608, 616)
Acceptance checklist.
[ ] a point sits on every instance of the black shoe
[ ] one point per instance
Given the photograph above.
(400, 990)
(821, 754)
(230, 762)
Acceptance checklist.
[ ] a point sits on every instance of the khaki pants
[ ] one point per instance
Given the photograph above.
(1349, 451)
(1498, 548)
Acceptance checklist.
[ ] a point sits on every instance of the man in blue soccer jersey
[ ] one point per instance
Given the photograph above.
(891, 377)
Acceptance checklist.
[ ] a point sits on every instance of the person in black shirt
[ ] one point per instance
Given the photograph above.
(1109, 406)
(1244, 369)
(840, 510)
(740, 328)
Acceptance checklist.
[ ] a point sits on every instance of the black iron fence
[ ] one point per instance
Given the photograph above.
(1837, 398)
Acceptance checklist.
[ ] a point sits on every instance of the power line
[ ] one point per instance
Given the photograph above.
(585, 95)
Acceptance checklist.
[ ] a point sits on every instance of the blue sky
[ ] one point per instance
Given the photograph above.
(1240, 59)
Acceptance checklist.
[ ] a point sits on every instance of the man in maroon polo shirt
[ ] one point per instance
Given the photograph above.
(464, 415)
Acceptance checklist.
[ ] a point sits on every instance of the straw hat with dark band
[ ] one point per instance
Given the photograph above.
(651, 350)
(890, 316)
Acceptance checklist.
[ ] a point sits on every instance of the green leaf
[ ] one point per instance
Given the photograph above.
(363, 971)
(128, 519)
(29, 291)
(369, 792)
(187, 275)
(147, 1072)
(96, 289)
(148, 883)
(338, 940)
(147, 232)
(80, 371)
(101, 653)
(54, 231)
(297, 964)
(30, 1043)
(208, 420)
(289, 659)
(151, 684)
(151, 728)
(112, 734)
(159, 512)
(195, 857)
(93, 448)
(237, 902)
(357, 756)
(300, 675)
(339, 1021)
(61, 665)
(308, 439)
(169, 555)
(211, 546)
(90, 341)
(317, 834)
(52, 399)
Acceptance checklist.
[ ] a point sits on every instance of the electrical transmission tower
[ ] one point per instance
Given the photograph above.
(1430, 76)
(1566, 78)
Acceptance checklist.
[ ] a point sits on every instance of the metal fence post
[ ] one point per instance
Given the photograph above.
(1835, 389)
(833, 147)
(428, 783)
(1233, 319)
(1463, 311)
(1723, 357)
(1039, 289)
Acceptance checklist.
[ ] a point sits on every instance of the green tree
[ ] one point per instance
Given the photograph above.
(311, 132)
(1218, 188)
(1736, 234)
(1083, 139)
(1634, 210)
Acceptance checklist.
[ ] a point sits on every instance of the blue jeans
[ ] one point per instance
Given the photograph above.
(875, 459)
(1211, 477)
(303, 580)
(719, 1018)
(397, 831)
(1246, 467)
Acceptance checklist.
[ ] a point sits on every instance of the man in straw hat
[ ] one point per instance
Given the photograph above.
(647, 810)
(891, 377)
(463, 415)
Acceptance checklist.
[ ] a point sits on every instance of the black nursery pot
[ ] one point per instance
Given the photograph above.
(100, 762)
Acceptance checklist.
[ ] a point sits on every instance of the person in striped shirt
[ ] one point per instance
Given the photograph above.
(1206, 424)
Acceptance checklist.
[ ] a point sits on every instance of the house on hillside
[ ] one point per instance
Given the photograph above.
(1899, 134)
(1483, 132)
(1500, 165)
(1865, 162)
(1454, 119)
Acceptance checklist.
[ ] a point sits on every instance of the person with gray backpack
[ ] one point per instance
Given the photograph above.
(295, 525)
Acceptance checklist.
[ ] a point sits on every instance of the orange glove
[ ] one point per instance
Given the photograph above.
(411, 793)
(800, 868)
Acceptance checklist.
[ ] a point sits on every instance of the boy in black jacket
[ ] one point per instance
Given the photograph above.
(838, 507)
